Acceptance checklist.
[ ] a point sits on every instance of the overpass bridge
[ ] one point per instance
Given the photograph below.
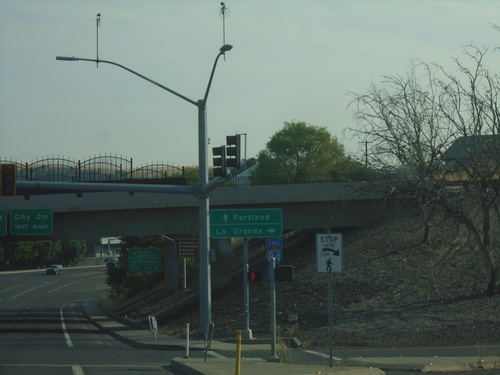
(105, 214)
(327, 205)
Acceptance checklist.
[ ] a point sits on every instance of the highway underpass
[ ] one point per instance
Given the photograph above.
(106, 214)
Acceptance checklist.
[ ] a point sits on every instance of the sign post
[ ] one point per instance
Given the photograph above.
(186, 248)
(153, 325)
(329, 259)
(247, 332)
(274, 249)
(246, 223)
(274, 356)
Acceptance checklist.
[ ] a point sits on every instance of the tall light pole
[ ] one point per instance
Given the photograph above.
(202, 189)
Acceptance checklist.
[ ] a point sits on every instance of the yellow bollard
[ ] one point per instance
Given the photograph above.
(238, 352)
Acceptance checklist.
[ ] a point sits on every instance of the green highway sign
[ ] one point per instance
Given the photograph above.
(3, 223)
(246, 223)
(144, 259)
(31, 221)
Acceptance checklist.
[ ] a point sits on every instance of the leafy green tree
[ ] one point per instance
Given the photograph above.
(38, 253)
(73, 251)
(16, 256)
(46, 251)
(300, 148)
(191, 173)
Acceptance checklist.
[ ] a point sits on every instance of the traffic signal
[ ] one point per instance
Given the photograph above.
(233, 150)
(219, 161)
(8, 180)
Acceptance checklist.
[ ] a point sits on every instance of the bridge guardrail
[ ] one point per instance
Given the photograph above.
(116, 168)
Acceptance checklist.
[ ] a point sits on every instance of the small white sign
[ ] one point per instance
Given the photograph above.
(153, 325)
(329, 252)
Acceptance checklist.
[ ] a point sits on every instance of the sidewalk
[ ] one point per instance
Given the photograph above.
(226, 366)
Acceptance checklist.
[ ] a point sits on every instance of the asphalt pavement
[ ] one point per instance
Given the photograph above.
(219, 365)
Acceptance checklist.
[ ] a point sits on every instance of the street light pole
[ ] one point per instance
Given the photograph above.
(203, 187)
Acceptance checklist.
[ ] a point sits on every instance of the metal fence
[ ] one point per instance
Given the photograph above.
(97, 168)
(118, 168)
(277, 179)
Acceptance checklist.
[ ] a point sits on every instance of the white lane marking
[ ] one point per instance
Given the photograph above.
(63, 286)
(77, 370)
(80, 368)
(63, 325)
(323, 355)
(29, 290)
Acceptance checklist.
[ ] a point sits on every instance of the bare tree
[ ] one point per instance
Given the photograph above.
(402, 122)
(440, 134)
(472, 110)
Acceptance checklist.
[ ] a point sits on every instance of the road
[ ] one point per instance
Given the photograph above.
(44, 329)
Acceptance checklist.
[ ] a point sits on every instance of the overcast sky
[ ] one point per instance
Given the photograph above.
(292, 60)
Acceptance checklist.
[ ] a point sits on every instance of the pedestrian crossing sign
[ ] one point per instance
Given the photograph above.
(329, 252)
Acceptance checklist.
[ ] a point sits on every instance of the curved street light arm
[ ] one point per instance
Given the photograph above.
(64, 58)
(223, 50)
(202, 189)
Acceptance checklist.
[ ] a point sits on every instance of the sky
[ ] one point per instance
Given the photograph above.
(291, 61)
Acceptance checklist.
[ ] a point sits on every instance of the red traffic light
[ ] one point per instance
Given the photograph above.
(8, 180)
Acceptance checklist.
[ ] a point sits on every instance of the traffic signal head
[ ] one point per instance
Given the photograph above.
(219, 161)
(8, 180)
(233, 150)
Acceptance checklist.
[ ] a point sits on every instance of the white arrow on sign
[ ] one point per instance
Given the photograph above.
(329, 252)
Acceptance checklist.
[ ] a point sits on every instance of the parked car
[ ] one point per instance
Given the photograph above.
(54, 269)
(112, 262)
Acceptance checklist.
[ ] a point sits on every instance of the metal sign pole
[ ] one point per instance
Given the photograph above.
(274, 357)
(329, 260)
(247, 332)
(330, 316)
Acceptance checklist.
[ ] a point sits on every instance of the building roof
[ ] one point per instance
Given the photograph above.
(110, 241)
(473, 146)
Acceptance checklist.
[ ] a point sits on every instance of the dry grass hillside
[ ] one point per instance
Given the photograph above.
(393, 291)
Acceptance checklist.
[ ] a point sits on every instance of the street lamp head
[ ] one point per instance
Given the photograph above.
(65, 58)
(226, 47)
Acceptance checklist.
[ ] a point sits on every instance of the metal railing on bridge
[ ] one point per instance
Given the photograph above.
(111, 168)
(98, 168)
